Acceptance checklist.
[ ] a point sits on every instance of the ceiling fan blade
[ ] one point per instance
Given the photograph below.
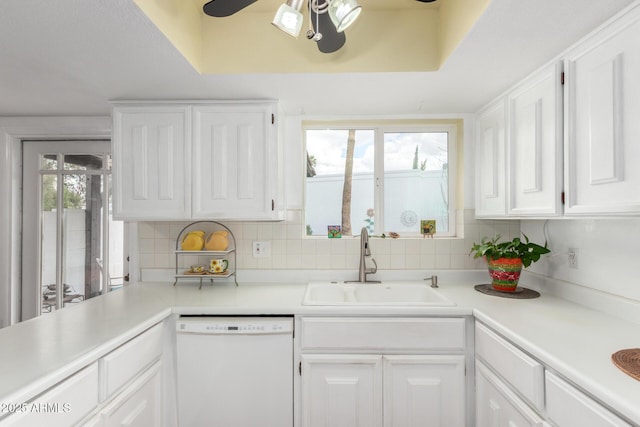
(222, 8)
(331, 39)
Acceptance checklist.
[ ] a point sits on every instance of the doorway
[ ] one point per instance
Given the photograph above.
(71, 248)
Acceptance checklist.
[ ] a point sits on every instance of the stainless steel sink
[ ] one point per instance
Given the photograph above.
(385, 293)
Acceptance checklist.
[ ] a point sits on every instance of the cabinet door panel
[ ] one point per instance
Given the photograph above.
(602, 129)
(63, 405)
(149, 152)
(125, 362)
(233, 158)
(568, 407)
(378, 334)
(490, 162)
(425, 391)
(342, 391)
(535, 145)
(139, 404)
(497, 405)
(516, 367)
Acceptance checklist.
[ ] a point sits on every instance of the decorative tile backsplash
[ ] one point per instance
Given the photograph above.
(291, 249)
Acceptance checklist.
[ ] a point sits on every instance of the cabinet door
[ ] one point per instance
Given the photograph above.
(235, 162)
(602, 129)
(535, 145)
(425, 391)
(63, 405)
(139, 404)
(490, 161)
(342, 391)
(497, 405)
(150, 147)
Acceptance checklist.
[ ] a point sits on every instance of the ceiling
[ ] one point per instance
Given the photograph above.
(71, 57)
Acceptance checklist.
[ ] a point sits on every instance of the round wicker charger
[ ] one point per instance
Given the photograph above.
(628, 361)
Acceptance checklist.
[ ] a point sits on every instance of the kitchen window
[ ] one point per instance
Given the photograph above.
(387, 178)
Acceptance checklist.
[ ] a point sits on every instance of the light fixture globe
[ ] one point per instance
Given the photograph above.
(343, 13)
(288, 17)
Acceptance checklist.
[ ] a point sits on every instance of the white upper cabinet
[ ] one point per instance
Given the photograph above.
(602, 107)
(490, 160)
(213, 160)
(571, 149)
(150, 151)
(235, 162)
(534, 145)
(519, 150)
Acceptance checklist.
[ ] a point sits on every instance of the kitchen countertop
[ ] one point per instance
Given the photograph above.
(572, 340)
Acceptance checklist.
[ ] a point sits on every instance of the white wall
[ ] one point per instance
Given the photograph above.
(608, 253)
(324, 200)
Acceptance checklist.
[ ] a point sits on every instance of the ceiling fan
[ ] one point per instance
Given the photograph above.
(328, 30)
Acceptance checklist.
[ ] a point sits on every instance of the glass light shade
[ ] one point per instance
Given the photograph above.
(343, 13)
(288, 19)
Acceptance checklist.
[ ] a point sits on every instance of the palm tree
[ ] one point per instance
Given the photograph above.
(311, 165)
(346, 189)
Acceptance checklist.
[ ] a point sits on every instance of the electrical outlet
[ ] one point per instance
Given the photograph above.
(573, 258)
(261, 249)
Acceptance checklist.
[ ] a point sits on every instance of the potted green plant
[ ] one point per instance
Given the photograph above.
(506, 259)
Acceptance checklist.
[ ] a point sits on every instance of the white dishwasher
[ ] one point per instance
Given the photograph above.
(235, 371)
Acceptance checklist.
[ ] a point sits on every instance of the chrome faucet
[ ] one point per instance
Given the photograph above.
(365, 252)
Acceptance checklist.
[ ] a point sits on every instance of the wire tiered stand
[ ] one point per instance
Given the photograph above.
(230, 254)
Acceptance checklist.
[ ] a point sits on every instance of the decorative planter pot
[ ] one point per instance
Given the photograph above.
(505, 273)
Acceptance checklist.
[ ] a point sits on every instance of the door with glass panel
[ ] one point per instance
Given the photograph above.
(71, 249)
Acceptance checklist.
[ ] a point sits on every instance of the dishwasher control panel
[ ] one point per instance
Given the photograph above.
(235, 325)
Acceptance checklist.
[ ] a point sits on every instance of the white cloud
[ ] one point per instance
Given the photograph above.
(329, 148)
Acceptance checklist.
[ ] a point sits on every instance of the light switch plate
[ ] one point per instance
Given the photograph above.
(261, 249)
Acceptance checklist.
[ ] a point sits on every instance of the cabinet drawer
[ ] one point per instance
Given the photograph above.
(568, 407)
(62, 405)
(124, 363)
(370, 334)
(525, 374)
(140, 402)
(498, 405)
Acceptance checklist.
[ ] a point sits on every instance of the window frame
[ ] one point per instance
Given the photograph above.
(390, 126)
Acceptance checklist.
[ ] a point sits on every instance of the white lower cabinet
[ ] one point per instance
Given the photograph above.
(342, 390)
(122, 388)
(424, 391)
(377, 390)
(497, 405)
(520, 370)
(62, 405)
(568, 407)
(513, 389)
(383, 372)
(139, 404)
